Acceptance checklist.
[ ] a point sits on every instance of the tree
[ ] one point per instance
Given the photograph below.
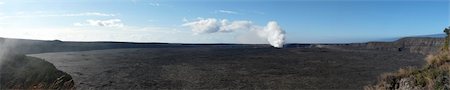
(447, 38)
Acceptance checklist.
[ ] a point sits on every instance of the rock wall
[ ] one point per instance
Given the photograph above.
(424, 45)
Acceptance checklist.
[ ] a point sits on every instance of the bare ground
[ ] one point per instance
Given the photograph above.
(228, 68)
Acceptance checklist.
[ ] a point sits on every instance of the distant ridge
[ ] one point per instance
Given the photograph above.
(432, 36)
(397, 38)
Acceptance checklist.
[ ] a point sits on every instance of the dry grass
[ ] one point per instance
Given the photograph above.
(434, 75)
(438, 60)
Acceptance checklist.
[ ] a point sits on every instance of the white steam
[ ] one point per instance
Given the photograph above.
(272, 32)
(276, 34)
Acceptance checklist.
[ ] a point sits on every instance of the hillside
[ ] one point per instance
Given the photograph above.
(434, 75)
(22, 72)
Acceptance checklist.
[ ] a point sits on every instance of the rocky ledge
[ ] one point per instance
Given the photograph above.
(24, 72)
(424, 45)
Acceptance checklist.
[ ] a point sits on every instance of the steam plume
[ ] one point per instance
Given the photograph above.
(272, 32)
(276, 34)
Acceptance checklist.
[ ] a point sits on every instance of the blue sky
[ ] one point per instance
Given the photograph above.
(304, 21)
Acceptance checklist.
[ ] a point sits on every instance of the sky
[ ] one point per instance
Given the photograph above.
(221, 21)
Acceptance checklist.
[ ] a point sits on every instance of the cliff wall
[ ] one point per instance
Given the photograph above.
(424, 45)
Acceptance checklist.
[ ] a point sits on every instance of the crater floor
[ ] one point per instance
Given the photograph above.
(228, 68)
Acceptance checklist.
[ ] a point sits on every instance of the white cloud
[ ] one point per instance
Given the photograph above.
(272, 32)
(226, 12)
(79, 24)
(2, 3)
(114, 23)
(212, 25)
(204, 26)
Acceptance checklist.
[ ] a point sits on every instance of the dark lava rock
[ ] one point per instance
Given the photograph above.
(23, 72)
